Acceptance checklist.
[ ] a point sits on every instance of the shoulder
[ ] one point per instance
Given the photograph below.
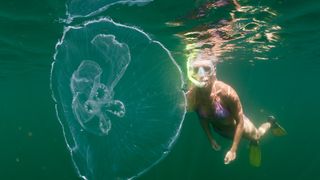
(228, 92)
(231, 98)
(226, 89)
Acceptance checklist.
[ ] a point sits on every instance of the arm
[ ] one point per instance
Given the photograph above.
(205, 125)
(238, 6)
(191, 100)
(238, 117)
(239, 129)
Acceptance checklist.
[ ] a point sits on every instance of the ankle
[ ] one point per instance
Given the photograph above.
(271, 120)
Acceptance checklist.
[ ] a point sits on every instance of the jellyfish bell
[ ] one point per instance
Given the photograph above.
(118, 97)
(87, 8)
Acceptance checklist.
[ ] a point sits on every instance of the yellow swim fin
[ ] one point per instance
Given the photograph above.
(277, 130)
(254, 154)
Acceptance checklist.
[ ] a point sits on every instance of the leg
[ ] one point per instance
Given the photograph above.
(254, 134)
(263, 129)
(251, 132)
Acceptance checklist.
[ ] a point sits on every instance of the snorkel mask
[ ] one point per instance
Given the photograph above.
(200, 71)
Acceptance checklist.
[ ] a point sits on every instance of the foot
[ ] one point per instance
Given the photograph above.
(272, 120)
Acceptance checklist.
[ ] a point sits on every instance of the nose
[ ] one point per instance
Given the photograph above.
(204, 78)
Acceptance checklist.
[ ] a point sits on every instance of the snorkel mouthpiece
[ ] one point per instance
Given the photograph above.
(197, 83)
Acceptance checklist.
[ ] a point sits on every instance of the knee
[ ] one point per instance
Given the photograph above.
(257, 136)
(253, 135)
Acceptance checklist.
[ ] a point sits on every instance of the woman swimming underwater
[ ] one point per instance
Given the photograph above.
(218, 107)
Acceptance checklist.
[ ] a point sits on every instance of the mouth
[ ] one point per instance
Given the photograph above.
(206, 84)
(205, 81)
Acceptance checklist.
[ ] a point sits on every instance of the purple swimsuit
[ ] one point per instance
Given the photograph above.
(219, 112)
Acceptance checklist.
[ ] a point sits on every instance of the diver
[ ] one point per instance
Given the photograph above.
(219, 108)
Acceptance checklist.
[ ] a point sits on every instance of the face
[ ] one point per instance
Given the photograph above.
(201, 73)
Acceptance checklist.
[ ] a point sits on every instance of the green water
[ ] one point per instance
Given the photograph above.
(286, 84)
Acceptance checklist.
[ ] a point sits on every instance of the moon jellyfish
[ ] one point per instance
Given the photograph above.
(81, 8)
(118, 97)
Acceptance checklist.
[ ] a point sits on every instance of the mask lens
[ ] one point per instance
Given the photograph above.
(207, 69)
(195, 70)
(201, 71)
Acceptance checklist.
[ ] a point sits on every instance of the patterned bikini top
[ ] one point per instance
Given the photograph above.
(220, 111)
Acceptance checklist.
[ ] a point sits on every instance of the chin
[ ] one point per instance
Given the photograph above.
(207, 85)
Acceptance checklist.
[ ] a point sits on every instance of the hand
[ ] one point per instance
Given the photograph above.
(230, 156)
(215, 146)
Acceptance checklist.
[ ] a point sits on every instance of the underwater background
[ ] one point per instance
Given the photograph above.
(268, 50)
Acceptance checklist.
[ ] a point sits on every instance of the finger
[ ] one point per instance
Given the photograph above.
(226, 161)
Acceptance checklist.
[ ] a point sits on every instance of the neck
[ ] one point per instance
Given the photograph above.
(204, 92)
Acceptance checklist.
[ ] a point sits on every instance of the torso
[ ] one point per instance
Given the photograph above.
(211, 113)
(216, 110)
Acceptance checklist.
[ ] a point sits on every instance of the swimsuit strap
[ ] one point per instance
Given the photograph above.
(220, 111)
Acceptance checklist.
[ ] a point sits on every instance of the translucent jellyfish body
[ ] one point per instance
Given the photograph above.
(84, 8)
(118, 97)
